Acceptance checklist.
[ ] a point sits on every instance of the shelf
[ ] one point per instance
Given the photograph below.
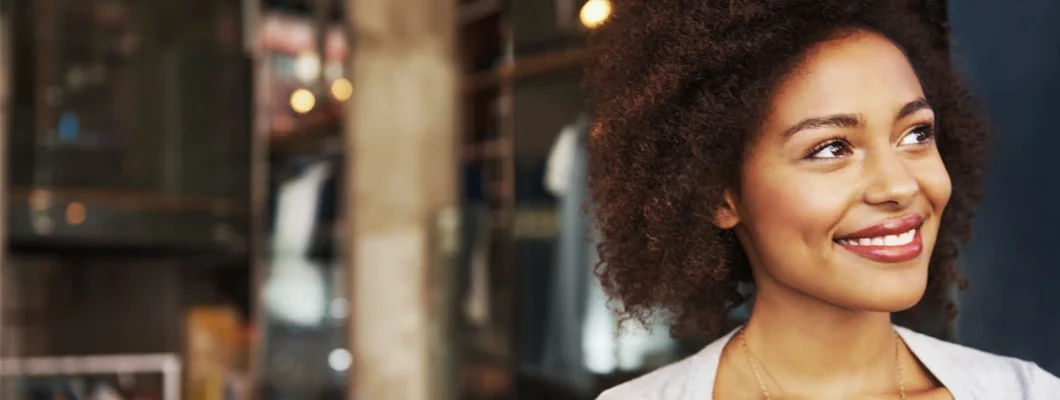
(317, 131)
(124, 223)
(131, 200)
(528, 66)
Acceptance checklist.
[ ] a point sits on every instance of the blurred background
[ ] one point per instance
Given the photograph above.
(380, 199)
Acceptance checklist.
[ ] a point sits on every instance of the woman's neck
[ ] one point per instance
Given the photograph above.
(802, 337)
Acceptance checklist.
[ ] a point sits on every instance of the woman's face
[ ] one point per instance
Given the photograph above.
(842, 192)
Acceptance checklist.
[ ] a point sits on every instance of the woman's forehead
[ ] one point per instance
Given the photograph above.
(855, 74)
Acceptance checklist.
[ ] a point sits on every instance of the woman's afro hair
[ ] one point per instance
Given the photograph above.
(678, 87)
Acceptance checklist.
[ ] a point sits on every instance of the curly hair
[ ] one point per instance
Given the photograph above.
(678, 89)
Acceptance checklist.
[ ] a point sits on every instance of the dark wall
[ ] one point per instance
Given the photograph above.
(544, 104)
(547, 102)
(125, 308)
(63, 306)
(1011, 55)
(75, 307)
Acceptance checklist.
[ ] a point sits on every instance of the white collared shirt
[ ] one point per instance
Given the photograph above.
(968, 374)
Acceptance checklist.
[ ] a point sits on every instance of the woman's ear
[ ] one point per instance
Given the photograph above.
(727, 216)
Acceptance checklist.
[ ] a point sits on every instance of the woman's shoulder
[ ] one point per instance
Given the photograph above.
(669, 382)
(965, 369)
(690, 378)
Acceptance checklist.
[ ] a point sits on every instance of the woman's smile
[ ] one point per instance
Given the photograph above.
(894, 240)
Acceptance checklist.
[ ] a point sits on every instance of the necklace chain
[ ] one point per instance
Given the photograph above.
(752, 361)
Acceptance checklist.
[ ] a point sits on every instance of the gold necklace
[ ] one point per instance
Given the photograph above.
(751, 360)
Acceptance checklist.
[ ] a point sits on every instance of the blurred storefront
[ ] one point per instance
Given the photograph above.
(175, 175)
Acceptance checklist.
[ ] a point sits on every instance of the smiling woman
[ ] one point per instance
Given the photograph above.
(829, 164)
(823, 151)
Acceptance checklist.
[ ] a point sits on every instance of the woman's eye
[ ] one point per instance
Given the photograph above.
(922, 134)
(834, 149)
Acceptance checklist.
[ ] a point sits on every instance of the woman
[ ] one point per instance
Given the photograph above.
(809, 148)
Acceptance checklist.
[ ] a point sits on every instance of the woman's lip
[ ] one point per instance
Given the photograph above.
(893, 226)
(888, 254)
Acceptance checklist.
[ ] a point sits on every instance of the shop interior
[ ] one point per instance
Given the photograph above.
(174, 180)
(174, 192)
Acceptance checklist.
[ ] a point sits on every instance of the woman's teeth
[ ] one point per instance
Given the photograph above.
(889, 240)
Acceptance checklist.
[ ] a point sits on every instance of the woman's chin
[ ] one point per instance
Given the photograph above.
(886, 302)
(891, 291)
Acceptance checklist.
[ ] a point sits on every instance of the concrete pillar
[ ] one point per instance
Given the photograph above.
(400, 196)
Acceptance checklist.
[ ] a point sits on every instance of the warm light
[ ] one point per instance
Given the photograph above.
(303, 101)
(595, 12)
(75, 213)
(342, 89)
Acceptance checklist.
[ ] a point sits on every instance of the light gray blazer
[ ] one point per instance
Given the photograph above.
(969, 374)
